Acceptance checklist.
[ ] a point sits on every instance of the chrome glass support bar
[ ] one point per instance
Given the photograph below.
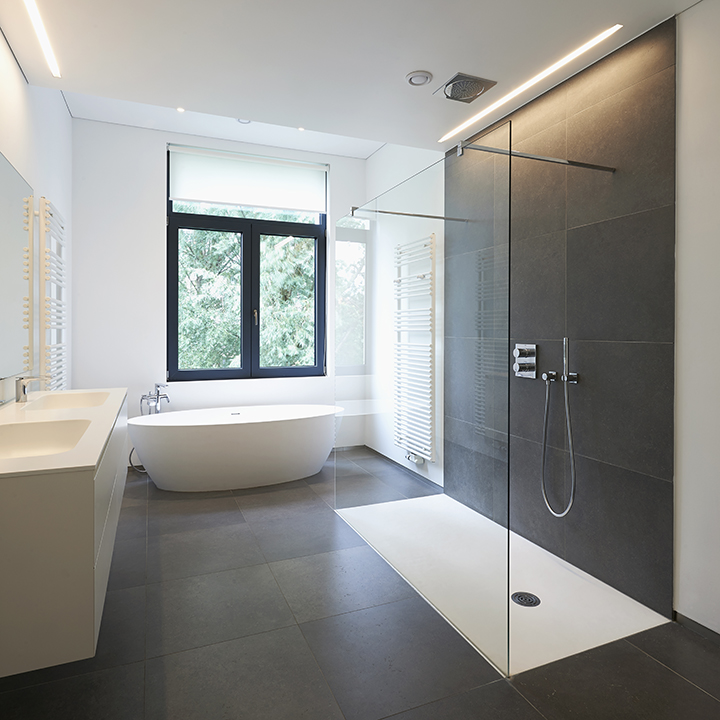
(540, 158)
(416, 215)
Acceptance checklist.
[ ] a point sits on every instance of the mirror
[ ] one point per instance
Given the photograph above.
(13, 286)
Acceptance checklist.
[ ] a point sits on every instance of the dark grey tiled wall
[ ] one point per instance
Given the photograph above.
(476, 327)
(592, 257)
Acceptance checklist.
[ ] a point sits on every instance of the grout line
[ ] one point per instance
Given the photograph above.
(667, 667)
(508, 680)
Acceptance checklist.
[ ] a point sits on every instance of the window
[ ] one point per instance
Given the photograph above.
(246, 290)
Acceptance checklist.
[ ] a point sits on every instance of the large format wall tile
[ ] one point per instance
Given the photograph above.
(622, 408)
(634, 132)
(476, 480)
(621, 278)
(537, 286)
(528, 515)
(539, 188)
(621, 531)
(627, 66)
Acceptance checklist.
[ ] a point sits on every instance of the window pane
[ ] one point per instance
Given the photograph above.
(239, 211)
(350, 303)
(209, 299)
(287, 301)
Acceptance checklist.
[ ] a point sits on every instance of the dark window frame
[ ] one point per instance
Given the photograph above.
(251, 230)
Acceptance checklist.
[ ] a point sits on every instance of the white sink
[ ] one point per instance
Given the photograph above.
(31, 439)
(68, 401)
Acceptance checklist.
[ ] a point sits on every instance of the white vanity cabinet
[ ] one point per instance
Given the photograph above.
(58, 518)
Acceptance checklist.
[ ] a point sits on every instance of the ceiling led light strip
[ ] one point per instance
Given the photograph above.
(42, 37)
(532, 82)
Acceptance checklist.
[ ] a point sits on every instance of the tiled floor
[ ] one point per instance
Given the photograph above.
(264, 604)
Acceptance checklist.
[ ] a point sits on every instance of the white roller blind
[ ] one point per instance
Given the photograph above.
(229, 178)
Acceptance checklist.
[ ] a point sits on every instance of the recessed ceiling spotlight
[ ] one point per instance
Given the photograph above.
(181, 110)
(419, 77)
(244, 122)
(301, 129)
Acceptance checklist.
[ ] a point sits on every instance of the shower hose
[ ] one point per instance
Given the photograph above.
(549, 378)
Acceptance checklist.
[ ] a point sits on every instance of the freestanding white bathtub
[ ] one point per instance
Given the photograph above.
(234, 447)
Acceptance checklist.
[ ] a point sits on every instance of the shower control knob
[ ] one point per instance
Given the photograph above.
(527, 367)
(522, 352)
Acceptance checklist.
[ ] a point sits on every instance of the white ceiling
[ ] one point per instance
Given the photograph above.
(330, 66)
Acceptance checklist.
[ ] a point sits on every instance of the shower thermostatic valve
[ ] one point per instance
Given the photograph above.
(525, 362)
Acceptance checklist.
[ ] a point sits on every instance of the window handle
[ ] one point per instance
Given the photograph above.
(256, 316)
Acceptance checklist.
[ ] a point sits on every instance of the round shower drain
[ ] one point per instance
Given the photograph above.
(526, 599)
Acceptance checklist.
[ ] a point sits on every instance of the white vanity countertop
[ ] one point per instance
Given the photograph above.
(85, 454)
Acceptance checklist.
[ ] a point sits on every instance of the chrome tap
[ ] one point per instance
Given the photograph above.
(21, 385)
(160, 396)
(153, 399)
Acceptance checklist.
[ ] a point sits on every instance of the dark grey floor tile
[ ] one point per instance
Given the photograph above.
(332, 583)
(115, 694)
(121, 642)
(353, 453)
(197, 552)
(271, 675)
(304, 534)
(391, 658)
(408, 483)
(615, 681)
(269, 489)
(172, 517)
(136, 488)
(279, 505)
(404, 481)
(156, 494)
(495, 701)
(197, 611)
(356, 490)
(685, 652)
(128, 564)
(132, 522)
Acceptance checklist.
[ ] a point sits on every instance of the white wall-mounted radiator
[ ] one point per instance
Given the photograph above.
(29, 299)
(53, 298)
(414, 352)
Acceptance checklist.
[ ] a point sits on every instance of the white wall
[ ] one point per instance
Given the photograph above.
(697, 445)
(119, 208)
(36, 137)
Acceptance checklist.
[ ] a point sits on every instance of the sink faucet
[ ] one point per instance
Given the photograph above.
(21, 385)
